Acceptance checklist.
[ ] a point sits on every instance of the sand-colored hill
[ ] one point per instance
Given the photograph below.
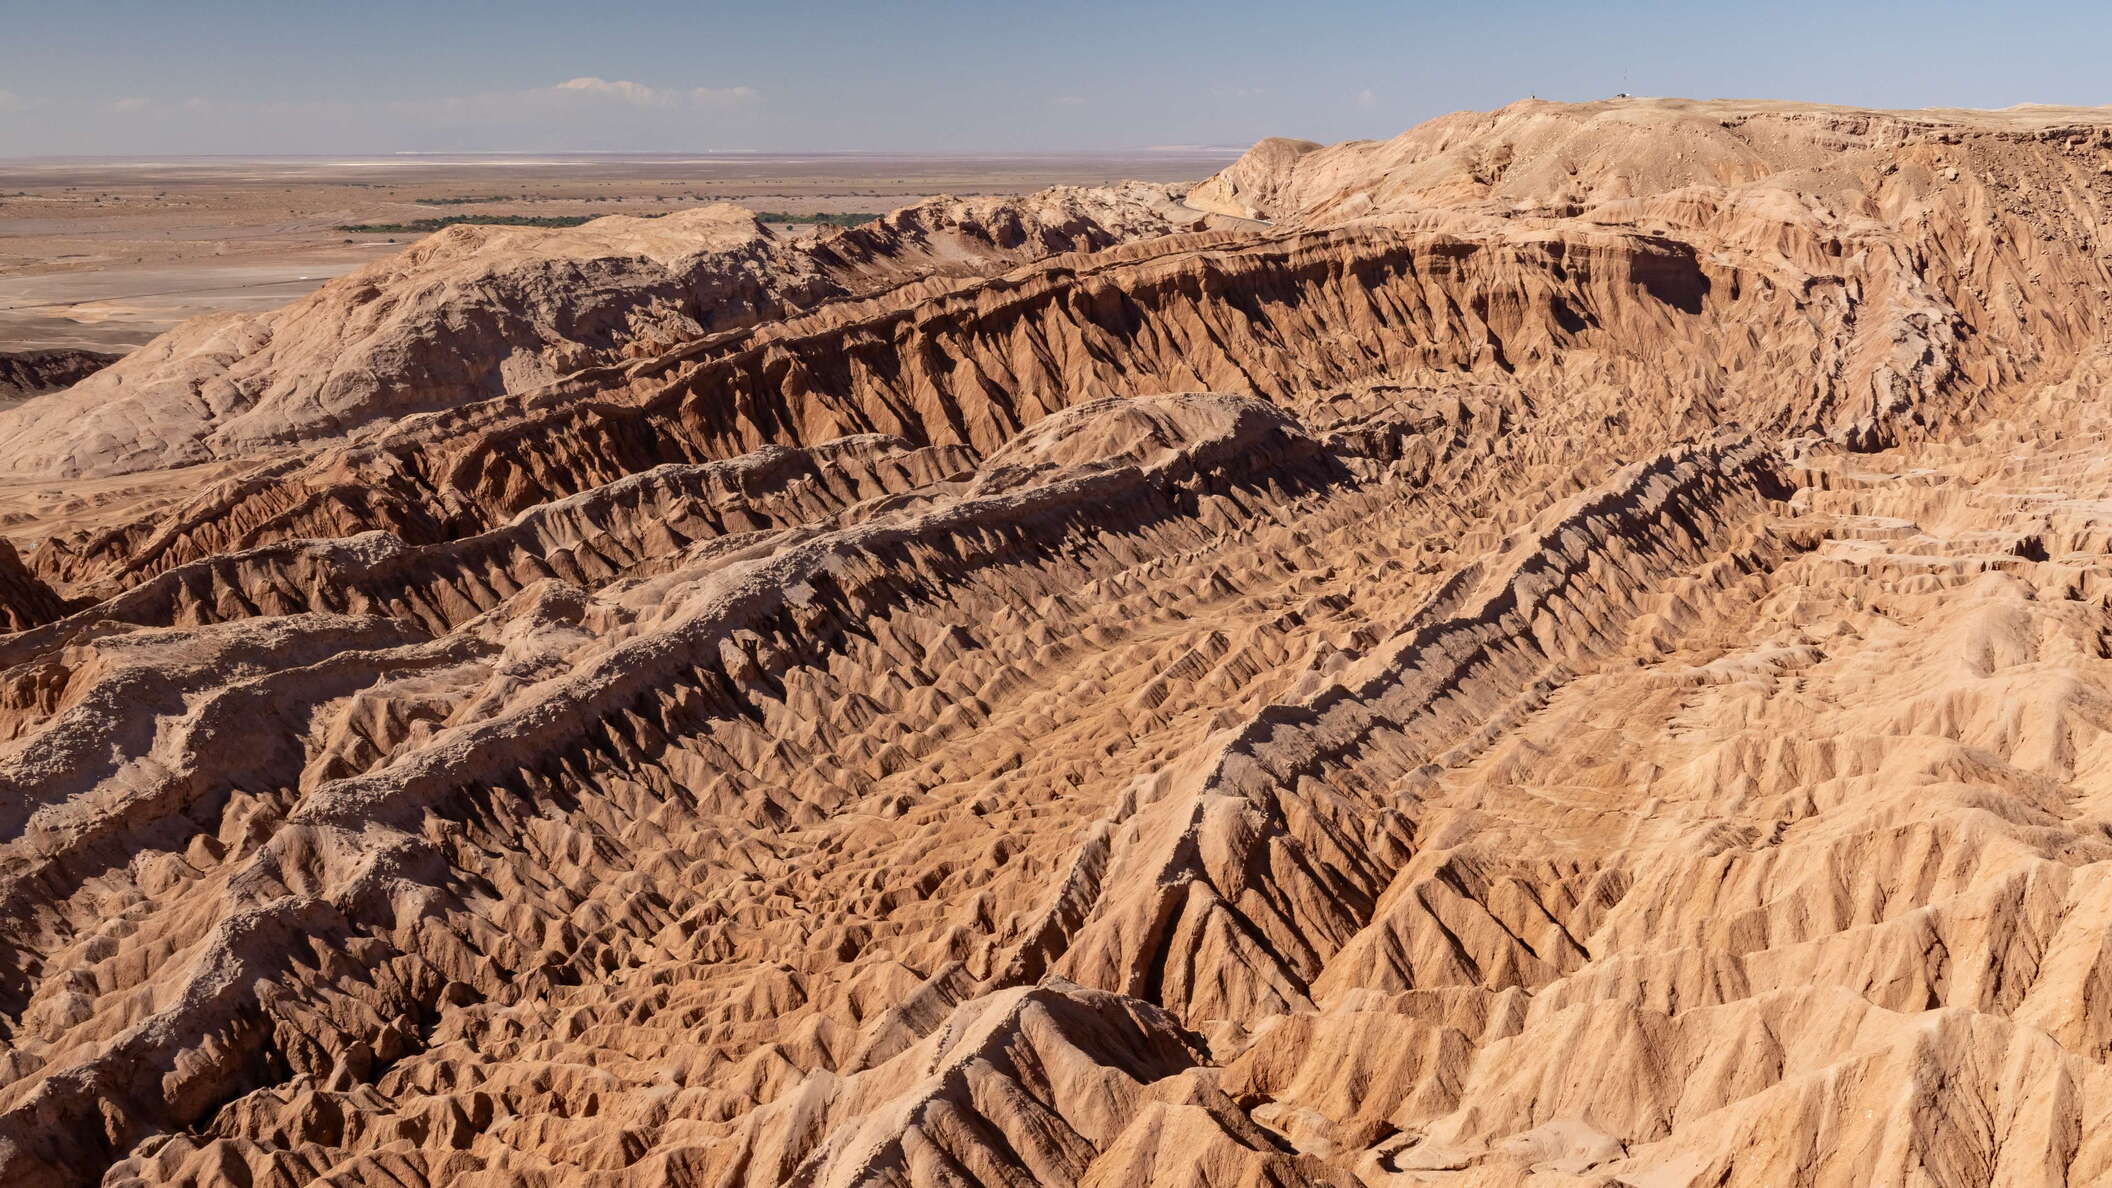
(1565, 648)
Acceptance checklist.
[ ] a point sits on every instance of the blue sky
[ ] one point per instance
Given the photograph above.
(235, 76)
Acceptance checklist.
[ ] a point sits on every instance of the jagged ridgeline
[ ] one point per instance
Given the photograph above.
(1565, 647)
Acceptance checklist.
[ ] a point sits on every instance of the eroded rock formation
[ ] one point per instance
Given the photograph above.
(28, 373)
(1569, 647)
(474, 311)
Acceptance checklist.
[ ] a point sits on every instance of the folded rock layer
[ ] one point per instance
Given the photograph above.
(1569, 647)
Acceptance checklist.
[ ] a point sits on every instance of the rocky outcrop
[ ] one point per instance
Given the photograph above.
(29, 373)
(1251, 186)
(25, 600)
(973, 364)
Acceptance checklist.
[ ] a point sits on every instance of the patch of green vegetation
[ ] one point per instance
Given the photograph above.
(441, 222)
(422, 226)
(829, 220)
(467, 200)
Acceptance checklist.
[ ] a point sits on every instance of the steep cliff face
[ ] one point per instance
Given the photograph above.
(1574, 654)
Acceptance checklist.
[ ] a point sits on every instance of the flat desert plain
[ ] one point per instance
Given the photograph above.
(105, 253)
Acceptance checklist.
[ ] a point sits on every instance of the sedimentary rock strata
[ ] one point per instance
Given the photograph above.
(1568, 647)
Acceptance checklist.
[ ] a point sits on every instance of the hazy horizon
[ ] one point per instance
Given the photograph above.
(458, 155)
(122, 78)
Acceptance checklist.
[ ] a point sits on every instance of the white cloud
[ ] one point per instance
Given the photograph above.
(1367, 99)
(1239, 92)
(639, 95)
(1069, 101)
(128, 106)
(9, 101)
(635, 94)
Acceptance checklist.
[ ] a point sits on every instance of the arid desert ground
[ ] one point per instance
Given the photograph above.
(104, 254)
(1570, 647)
